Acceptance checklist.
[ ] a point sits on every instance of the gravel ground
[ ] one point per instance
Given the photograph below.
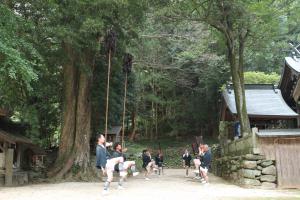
(171, 186)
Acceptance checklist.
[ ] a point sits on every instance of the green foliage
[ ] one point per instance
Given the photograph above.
(179, 61)
(19, 60)
(178, 76)
(172, 149)
(254, 77)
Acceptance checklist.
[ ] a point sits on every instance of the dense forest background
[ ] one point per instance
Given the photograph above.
(53, 65)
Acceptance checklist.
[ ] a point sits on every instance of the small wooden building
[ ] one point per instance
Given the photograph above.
(270, 154)
(17, 155)
(265, 106)
(114, 134)
(283, 146)
(290, 83)
(3, 112)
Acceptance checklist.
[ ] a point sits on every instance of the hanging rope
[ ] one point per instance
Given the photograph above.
(127, 66)
(110, 47)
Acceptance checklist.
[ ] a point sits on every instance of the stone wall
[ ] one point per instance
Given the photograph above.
(249, 170)
(245, 145)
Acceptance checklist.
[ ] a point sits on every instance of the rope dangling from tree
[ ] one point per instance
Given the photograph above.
(127, 66)
(127, 63)
(110, 48)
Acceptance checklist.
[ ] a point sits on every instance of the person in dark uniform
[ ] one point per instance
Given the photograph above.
(120, 152)
(106, 162)
(159, 160)
(148, 163)
(197, 162)
(205, 163)
(186, 158)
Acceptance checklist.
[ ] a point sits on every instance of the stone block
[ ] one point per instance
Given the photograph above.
(258, 162)
(251, 182)
(268, 178)
(249, 173)
(233, 168)
(266, 163)
(259, 167)
(271, 170)
(254, 157)
(249, 164)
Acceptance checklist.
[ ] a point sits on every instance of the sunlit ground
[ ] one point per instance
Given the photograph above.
(171, 186)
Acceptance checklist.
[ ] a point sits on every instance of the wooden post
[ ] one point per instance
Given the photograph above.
(19, 155)
(107, 93)
(124, 110)
(298, 111)
(9, 158)
(255, 148)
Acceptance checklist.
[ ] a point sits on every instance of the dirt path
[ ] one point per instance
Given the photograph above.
(172, 186)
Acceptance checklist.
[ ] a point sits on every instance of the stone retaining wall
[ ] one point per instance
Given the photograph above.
(247, 170)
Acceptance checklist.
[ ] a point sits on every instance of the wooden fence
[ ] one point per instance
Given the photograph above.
(286, 152)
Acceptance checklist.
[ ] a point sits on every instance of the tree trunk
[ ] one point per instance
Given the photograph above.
(83, 121)
(74, 148)
(69, 117)
(239, 90)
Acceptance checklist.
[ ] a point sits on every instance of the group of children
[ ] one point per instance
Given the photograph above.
(201, 162)
(150, 164)
(116, 162)
(108, 163)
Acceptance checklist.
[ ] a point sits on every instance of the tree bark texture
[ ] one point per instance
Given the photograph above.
(236, 68)
(74, 148)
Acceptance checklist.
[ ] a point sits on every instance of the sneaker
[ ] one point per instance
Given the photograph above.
(135, 173)
(206, 184)
(197, 177)
(196, 171)
(147, 179)
(202, 179)
(105, 192)
(203, 182)
(120, 187)
(186, 176)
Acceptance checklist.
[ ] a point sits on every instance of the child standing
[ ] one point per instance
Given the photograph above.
(147, 163)
(186, 158)
(159, 159)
